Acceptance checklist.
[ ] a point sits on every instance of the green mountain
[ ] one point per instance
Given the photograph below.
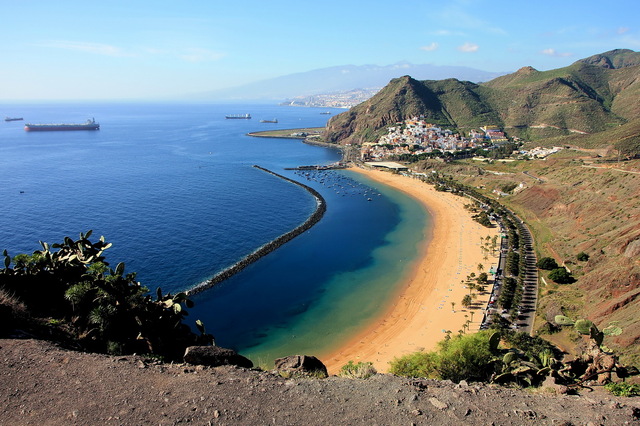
(590, 96)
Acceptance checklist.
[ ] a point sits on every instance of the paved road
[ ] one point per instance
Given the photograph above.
(526, 316)
(530, 294)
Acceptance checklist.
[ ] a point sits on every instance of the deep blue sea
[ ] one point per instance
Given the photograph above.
(173, 188)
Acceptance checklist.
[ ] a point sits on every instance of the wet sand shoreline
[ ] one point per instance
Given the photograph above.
(422, 310)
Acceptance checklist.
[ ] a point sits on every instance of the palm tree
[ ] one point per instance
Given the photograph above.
(466, 300)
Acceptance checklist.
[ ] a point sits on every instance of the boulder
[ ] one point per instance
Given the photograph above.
(303, 365)
(550, 383)
(633, 249)
(214, 356)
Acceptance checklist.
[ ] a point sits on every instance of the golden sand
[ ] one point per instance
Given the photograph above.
(422, 311)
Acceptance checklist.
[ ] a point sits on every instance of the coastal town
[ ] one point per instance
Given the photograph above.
(342, 99)
(416, 136)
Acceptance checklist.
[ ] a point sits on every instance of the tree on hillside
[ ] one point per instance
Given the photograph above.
(561, 276)
(582, 256)
(547, 263)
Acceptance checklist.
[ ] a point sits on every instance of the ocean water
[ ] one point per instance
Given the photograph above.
(173, 188)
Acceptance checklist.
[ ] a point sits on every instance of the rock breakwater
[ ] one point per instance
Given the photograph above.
(321, 207)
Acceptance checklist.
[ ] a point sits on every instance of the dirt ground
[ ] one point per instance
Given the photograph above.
(41, 383)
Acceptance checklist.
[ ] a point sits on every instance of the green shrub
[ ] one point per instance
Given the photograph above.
(582, 256)
(561, 276)
(623, 389)
(417, 364)
(466, 357)
(508, 187)
(463, 357)
(547, 263)
(361, 370)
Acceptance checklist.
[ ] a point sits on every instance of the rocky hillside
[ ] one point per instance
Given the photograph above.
(43, 384)
(590, 96)
(573, 203)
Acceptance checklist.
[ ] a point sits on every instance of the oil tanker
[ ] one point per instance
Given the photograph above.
(89, 125)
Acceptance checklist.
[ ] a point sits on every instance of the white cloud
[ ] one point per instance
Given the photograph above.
(430, 47)
(448, 33)
(81, 46)
(623, 30)
(468, 47)
(201, 55)
(554, 53)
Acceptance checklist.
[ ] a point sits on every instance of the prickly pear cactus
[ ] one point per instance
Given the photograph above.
(584, 326)
(562, 320)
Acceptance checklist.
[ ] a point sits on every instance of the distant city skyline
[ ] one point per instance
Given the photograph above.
(139, 50)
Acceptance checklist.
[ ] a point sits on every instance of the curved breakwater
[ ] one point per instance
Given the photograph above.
(321, 207)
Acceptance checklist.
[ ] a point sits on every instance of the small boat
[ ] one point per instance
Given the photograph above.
(13, 119)
(239, 116)
(275, 120)
(326, 112)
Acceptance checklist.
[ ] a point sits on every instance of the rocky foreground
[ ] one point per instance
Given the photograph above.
(44, 384)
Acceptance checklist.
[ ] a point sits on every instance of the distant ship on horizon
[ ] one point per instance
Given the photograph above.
(239, 116)
(275, 120)
(89, 125)
(13, 119)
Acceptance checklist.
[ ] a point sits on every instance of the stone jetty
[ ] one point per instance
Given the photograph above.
(321, 207)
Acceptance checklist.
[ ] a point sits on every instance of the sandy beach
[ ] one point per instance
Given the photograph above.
(421, 313)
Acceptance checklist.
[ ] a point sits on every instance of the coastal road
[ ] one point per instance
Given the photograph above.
(529, 301)
(527, 308)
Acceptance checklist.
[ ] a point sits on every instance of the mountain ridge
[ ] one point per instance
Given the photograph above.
(340, 78)
(589, 96)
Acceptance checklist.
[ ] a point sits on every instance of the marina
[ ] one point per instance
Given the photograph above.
(335, 166)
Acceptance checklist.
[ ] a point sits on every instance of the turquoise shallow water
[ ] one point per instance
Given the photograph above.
(173, 188)
(319, 290)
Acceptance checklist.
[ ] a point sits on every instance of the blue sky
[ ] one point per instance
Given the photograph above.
(141, 49)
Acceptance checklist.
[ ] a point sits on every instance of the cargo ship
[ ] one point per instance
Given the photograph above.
(89, 125)
(275, 120)
(240, 116)
(13, 119)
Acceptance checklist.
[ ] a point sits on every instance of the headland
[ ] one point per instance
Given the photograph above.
(422, 311)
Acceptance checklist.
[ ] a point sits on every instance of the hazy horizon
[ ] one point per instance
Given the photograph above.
(166, 50)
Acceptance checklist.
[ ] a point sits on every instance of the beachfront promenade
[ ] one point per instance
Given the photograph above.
(529, 277)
